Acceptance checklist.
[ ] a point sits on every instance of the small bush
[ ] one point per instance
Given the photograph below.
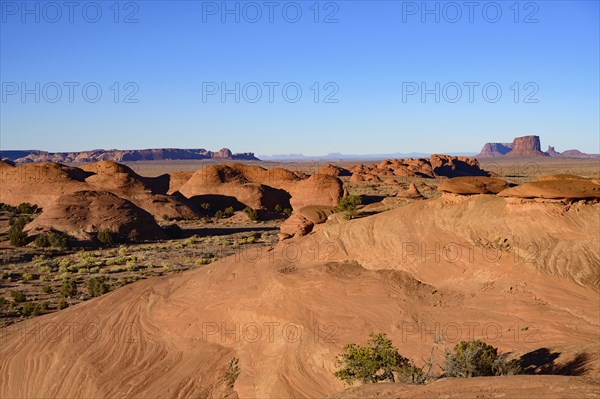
(42, 241)
(20, 221)
(58, 240)
(228, 212)
(62, 304)
(26, 276)
(18, 296)
(205, 206)
(475, 358)
(68, 289)
(251, 213)
(26, 208)
(219, 214)
(349, 203)
(30, 309)
(378, 361)
(96, 286)
(105, 236)
(47, 289)
(278, 208)
(287, 212)
(16, 235)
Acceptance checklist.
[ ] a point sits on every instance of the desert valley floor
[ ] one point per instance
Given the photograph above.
(186, 279)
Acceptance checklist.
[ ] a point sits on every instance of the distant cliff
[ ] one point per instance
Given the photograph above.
(526, 147)
(158, 154)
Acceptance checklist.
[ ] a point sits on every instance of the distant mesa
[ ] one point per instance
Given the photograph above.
(527, 147)
(159, 154)
(493, 150)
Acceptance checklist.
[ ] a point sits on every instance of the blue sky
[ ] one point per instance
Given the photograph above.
(161, 75)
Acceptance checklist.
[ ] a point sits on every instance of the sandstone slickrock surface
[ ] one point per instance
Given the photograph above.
(557, 188)
(82, 214)
(172, 336)
(259, 187)
(473, 185)
(411, 192)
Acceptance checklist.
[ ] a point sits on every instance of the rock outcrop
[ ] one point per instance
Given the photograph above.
(83, 214)
(334, 170)
(258, 187)
(473, 185)
(555, 188)
(43, 183)
(303, 221)
(412, 192)
(435, 166)
(158, 154)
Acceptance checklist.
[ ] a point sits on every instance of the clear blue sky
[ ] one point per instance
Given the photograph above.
(369, 56)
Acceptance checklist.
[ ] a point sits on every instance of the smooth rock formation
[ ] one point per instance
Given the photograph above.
(473, 185)
(83, 214)
(557, 188)
(333, 170)
(412, 192)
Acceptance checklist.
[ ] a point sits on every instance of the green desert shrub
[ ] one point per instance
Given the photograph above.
(475, 358)
(287, 212)
(30, 309)
(278, 208)
(42, 241)
(96, 286)
(18, 296)
(349, 203)
(225, 213)
(62, 304)
(251, 213)
(68, 289)
(105, 236)
(58, 240)
(16, 235)
(19, 221)
(26, 208)
(378, 361)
